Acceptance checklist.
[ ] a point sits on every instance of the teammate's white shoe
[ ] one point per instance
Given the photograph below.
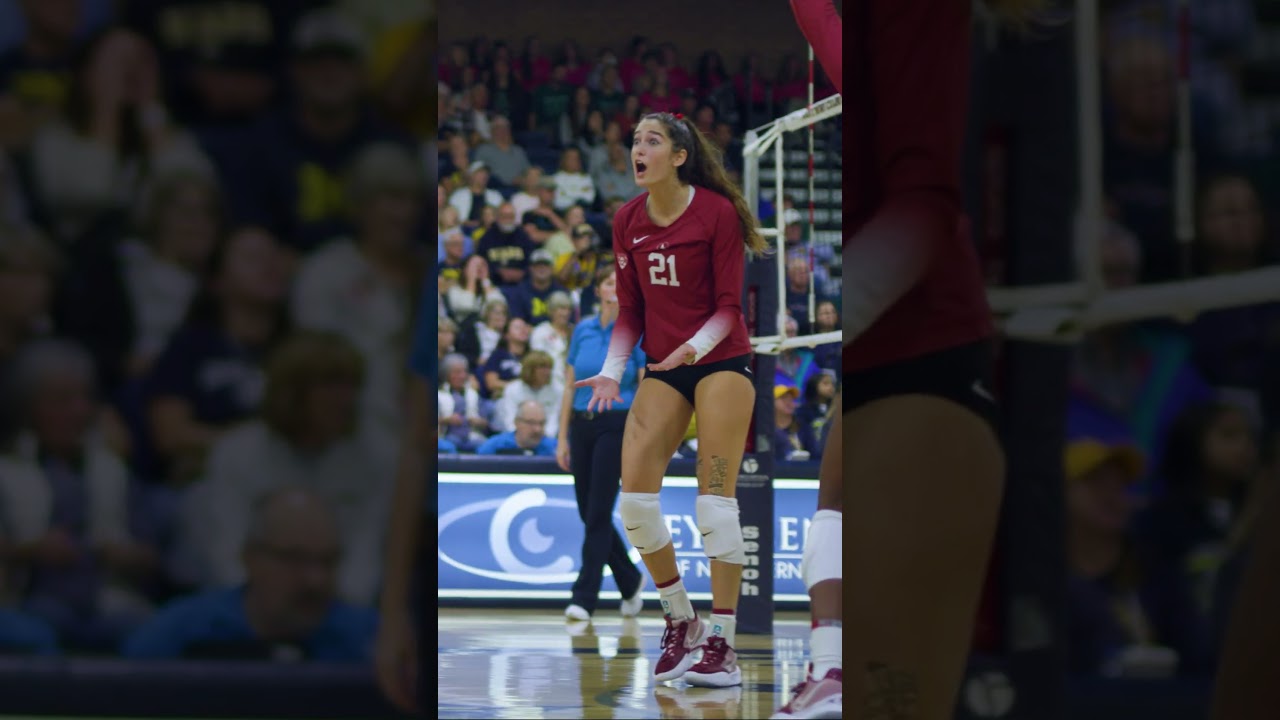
(576, 612)
(631, 606)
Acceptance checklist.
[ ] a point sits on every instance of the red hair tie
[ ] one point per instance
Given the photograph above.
(679, 116)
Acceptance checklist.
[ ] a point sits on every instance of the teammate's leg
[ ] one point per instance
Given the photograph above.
(821, 695)
(722, 439)
(655, 427)
(1245, 687)
(925, 477)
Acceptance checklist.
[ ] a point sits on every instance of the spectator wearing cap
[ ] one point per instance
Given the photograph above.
(506, 248)
(501, 155)
(471, 200)
(544, 221)
(577, 271)
(615, 178)
(364, 290)
(285, 173)
(528, 299)
(573, 184)
(793, 441)
(528, 439)
(286, 610)
(1125, 617)
(553, 334)
(217, 72)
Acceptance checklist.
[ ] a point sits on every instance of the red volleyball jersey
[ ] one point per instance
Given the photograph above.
(682, 281)
(904, 135)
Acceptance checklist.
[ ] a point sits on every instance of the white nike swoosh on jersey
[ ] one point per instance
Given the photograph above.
(633, 242)
(981, 391)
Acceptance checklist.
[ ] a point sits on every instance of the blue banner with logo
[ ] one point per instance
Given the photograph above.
(512, 535)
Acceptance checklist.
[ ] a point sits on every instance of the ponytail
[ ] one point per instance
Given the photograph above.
(705, 168)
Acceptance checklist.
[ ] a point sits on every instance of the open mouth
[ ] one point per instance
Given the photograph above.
(640, 166)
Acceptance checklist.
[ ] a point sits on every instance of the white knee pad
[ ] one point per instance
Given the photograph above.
(721, 531)
(823, 549)
(642, 519)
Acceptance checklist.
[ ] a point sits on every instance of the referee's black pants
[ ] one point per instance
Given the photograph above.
(595, 456)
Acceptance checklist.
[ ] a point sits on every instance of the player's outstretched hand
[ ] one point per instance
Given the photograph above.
(604, 392)
(682, 355)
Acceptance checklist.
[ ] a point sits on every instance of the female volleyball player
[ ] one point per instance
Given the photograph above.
(680, 250)
(916, 365)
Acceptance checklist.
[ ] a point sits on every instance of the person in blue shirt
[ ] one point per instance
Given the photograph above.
(529, 438)
(590, 447)
(287, 609)
(398, 643)
(26, 635)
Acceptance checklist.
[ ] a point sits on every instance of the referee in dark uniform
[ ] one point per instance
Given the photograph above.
(590, 446)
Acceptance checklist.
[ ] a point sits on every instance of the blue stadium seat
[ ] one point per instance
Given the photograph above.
(545, 158)
(533, 139)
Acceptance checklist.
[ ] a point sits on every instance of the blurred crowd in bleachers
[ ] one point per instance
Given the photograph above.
(1173, 424)
(534, 161)
(213, 225)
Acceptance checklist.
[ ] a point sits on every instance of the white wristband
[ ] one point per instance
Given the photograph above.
(702, 343)
(614, 367)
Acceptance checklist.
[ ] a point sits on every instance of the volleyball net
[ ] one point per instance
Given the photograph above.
(777, 166)
(815, 210)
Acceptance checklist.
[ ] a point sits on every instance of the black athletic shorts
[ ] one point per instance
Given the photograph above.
(961, 374)
(686, 377)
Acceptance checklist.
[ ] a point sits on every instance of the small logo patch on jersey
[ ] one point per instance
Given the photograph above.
(622, 262)
(642, 237)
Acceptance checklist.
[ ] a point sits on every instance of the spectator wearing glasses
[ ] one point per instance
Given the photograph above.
(528, 439)
(285, 611)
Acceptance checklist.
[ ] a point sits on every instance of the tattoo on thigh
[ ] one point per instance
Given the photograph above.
(892, 694)
(719, 475)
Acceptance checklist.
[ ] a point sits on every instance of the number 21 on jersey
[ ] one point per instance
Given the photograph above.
(662, 271)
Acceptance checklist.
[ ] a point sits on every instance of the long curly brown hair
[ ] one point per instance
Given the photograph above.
(705, 168)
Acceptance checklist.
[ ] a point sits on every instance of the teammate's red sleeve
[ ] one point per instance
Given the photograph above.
(824, 29)
(728, 262)
(920, 77)
(630, 323)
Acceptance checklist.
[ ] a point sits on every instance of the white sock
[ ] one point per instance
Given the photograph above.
(725, 626)
(675, 601)
(824, 644)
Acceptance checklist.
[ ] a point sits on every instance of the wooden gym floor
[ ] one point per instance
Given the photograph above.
(523, 664)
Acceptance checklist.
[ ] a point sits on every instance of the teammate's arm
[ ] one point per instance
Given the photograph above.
(824, 30)
(918, 153)
(630, 322)
(728, 263)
